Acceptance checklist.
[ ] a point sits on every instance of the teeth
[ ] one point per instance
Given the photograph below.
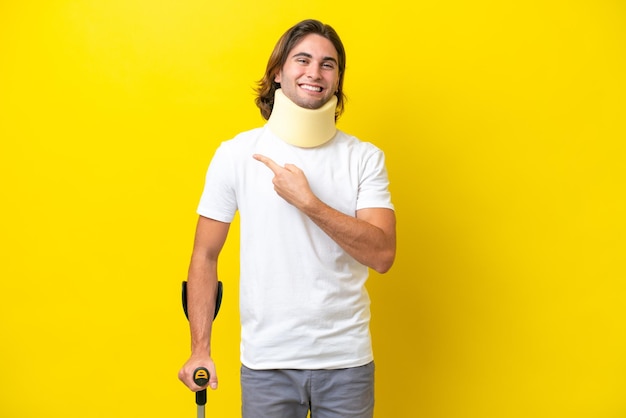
(311, 88)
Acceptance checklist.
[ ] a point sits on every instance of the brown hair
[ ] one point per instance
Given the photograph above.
(267, 86)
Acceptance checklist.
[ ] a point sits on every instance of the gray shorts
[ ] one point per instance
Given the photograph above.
(341, 393)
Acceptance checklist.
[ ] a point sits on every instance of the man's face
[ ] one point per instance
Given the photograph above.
(310, 75)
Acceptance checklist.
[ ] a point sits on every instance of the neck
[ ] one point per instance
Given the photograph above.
(306, 128)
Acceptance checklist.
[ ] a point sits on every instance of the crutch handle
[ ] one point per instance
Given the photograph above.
(201, 377)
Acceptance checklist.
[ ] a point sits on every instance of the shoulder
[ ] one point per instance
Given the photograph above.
(244, 138)
(365, 148)
(243, 142)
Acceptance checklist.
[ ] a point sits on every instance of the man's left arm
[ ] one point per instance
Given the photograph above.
(370, 237)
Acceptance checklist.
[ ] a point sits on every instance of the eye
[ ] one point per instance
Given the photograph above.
(328, 65)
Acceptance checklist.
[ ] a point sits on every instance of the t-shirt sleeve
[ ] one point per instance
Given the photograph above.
(219, 200)
(374, 185)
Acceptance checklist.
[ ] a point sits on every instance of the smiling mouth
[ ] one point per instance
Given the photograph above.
(315, 89)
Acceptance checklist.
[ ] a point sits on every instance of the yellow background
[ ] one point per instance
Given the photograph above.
(503, 124)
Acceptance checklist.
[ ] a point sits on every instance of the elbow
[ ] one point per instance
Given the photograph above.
(382, 268)
(384, 262)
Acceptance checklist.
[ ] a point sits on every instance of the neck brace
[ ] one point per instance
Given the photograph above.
(305, 128)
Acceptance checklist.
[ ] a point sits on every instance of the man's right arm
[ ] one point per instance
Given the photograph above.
(201, 293)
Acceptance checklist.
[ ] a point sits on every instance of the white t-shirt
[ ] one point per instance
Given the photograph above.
(303, 302)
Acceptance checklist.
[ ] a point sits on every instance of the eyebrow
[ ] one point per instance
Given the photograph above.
(307, 55)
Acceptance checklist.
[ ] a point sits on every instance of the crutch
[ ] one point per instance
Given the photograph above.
(201, 374)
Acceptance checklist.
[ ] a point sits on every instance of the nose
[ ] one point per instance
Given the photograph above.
(313, 72)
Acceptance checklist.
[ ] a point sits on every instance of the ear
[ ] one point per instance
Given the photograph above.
(277, 77)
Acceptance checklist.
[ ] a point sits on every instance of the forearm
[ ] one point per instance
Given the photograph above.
(372, 244)
(201, 294)
(369, 237)
(201, 291)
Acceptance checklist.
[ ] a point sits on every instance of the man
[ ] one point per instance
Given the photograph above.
(315, 214)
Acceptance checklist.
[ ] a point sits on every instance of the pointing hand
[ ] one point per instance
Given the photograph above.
(289, 181)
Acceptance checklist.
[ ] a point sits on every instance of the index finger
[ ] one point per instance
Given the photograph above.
(268, 162)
